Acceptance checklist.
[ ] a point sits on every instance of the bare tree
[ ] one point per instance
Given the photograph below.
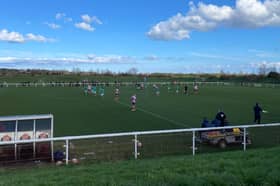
(132, 71)
(262, 69)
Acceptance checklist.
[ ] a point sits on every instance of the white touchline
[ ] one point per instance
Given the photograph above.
(157, 116)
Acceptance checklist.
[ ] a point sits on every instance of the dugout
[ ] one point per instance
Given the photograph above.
(14, 129)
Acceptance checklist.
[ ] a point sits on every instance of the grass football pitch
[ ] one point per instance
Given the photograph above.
(77, 114)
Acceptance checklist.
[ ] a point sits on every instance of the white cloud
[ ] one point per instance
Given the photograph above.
(213, 12)
(266, 64)
(84, 26)
(62, 16)
(264, 54)
(110, 59)
(96, 20)
(87, 19)
(151, 58)
(91, 60)
(204, 17)
(65, 60)
(169, 30)
(213, 56)
(91, 56)
(254, 13)
(179, 27)
(7, 59)
(13, 37)
(52, 25)
(38, 38)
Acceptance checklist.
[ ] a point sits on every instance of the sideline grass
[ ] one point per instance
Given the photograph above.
(254, 167)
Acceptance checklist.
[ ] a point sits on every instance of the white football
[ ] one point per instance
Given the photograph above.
(75, 161)
(58, 163)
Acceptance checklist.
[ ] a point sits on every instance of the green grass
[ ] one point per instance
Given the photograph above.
(254, 167)
(76, 114)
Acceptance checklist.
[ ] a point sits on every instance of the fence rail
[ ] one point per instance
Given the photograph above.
(73, 84)
(140, 134)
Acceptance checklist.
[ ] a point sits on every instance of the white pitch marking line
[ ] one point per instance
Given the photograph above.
(157, 116)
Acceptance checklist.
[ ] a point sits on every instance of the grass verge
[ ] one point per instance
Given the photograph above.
(253, 167)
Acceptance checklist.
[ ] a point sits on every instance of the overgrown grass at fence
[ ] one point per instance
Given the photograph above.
(254, 167)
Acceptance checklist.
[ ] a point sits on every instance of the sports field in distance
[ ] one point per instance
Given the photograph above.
(78, 114)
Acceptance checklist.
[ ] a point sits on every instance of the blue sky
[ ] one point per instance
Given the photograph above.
(176, 36)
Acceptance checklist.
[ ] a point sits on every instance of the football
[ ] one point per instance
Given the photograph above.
(75, 161)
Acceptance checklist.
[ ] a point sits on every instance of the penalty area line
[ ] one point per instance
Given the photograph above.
(157, 115)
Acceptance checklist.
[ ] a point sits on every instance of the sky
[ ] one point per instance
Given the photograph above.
(170, 36)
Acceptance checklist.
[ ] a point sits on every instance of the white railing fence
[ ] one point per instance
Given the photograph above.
(132, 83)
(141, 144)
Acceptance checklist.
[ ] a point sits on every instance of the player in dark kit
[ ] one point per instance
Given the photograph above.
(257, 113)
(186, 89)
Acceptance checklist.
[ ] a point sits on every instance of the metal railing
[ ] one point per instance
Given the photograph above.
(75, 84)
(137, 134)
